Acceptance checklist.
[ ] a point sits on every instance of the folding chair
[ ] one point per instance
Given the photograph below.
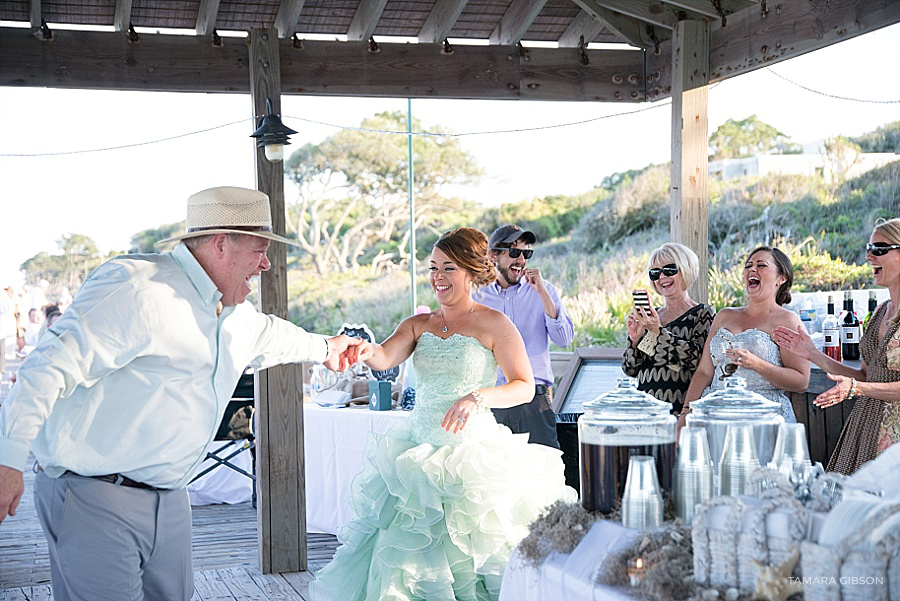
(236, 430)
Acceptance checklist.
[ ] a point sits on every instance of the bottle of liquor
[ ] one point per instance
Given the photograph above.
(850, 331)
(832, 332)
(873, 303)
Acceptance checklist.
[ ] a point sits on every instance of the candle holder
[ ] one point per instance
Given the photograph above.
(636, 571)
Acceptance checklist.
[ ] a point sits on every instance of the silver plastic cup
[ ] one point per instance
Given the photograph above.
(739, 460)
(693, 472)
(642, 505)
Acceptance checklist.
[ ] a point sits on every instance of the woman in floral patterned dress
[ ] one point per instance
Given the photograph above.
(874, 423)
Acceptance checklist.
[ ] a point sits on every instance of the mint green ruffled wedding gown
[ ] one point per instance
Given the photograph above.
(438, 514)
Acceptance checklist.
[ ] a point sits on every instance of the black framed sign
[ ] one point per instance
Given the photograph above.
(590, 373)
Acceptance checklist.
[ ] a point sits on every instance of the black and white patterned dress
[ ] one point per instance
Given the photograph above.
(665, 364)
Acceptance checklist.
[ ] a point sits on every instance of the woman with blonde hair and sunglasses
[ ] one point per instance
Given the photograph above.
(874, 423)
(665, 344)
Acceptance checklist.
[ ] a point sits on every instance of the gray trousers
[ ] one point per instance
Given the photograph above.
(114, 543)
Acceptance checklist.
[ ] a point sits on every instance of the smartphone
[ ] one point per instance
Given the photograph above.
(641, 300)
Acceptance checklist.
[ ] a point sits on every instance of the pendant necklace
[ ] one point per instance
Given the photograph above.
(446, 327)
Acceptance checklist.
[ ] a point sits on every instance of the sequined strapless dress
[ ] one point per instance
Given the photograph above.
(760, 344)
(438, 514)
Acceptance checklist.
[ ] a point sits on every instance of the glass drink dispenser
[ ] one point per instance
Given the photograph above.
(615, 426)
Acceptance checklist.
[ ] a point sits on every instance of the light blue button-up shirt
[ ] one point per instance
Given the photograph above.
(135, 376)
(524, 307)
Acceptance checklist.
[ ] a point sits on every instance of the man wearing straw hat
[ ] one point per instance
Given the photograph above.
(123, 394)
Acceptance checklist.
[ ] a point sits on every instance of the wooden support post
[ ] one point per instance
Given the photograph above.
(690, 134)
(281, 502)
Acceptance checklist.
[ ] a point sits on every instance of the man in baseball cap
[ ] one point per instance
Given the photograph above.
(124, 392)
(534, 307)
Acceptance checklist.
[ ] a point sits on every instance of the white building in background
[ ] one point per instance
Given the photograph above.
(813, 161)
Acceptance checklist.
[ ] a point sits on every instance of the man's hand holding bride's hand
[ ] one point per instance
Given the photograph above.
(344, 352)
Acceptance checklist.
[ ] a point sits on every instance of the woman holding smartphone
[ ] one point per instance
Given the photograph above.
(665, 344)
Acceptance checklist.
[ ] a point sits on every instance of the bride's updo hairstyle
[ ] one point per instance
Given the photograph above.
(785, 267)
(467, 247)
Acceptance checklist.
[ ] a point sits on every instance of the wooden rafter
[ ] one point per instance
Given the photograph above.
(518, 18)
(708, 7)
(441, 20)
(286, 19)
(752, 40)
(584, 27)
(627, 27)
(35, 14)
(206, 17)
(631, 29)
(122, 19)
(590, 27)
(365, 20)
(655, 13)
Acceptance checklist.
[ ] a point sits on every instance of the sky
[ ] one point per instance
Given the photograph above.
(111, 195)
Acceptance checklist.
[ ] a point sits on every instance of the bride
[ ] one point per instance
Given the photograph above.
(743, 337)
(445, 498)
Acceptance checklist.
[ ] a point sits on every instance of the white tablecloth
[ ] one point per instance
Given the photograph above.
(569, 577)
(334, 444)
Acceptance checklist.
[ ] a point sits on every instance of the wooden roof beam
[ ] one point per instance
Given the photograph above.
(752, 40)
(122, 18)
(441, 21)
(583, 26)
(35, 14)
(515, 23)
(365, 20)
(108, 61)
(708, 8)
(631, 29)
(589, 26)
(287, 17)
(206, 17)
(655, 13)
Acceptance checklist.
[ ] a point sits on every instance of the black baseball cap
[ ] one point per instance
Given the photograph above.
(508, 234)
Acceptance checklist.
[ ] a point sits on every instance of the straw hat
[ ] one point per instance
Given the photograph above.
(229, 210)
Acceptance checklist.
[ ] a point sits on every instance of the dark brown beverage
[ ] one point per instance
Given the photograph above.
(604, 469)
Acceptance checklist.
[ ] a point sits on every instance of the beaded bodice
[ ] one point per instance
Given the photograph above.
(760, 344)
(447, 370)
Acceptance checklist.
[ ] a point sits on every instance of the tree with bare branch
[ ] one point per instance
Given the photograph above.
(352, 202)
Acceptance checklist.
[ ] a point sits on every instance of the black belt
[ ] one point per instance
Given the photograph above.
(120, 480)
(540, 389)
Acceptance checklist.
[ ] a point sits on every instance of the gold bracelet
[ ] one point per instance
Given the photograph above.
(685, 410)
(479, 400)
(852, 393)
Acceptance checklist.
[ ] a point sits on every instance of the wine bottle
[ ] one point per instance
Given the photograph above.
(832, 333)
(873, 303)
(850, 332)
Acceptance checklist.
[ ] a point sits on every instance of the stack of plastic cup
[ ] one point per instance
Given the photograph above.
(739, 460)
(693, 472)
(642, 504)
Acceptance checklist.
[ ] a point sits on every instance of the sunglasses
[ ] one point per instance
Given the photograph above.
(515, 252)
(880, 251)
(665, 270)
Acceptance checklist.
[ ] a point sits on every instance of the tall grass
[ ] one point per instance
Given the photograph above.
(596, 264)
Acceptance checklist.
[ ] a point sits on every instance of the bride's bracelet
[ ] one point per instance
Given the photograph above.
(479, 400)
(852, 392)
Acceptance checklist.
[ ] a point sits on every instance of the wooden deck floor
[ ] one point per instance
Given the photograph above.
(225, 556)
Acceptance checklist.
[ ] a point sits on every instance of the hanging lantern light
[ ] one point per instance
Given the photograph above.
(272, 134)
